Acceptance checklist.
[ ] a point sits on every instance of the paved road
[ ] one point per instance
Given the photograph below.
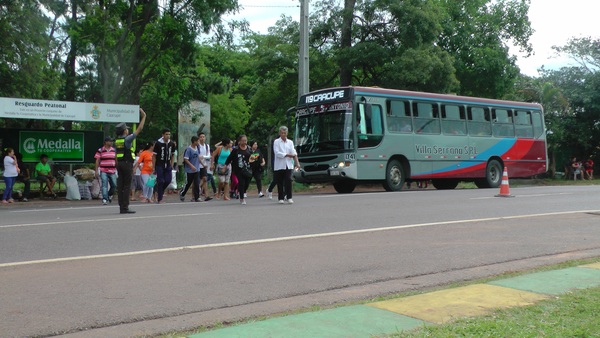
(84, 269)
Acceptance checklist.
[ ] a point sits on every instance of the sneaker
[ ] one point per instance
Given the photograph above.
(290, 201)
(207, 198)
(260, 194)
(24, 199)
(104, 202)
(270, 195)
(181, 196)
(243, 201)
(280, 201)
(245, 195)
(109, 199)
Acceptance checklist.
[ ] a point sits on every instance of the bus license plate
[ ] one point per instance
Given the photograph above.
(334, 173)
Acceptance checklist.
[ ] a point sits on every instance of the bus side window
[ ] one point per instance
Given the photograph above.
(479, 121)
(426, 118)
(538, 125)
(373, 127)
(398, 117)
(503, 123)
(453, 120)
(523, 126)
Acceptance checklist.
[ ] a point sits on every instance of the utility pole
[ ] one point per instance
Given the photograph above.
(303, 53)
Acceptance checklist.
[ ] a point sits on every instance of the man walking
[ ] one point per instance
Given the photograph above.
(125, 157)
(164, 149)
(286, 159)
(191, 164)
(204, 159)
(106, 167)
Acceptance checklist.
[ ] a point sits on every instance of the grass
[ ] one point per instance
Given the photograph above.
(574, 314)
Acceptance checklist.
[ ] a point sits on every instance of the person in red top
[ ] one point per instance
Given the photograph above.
(145, 163)
(589, 168)
(106, 167)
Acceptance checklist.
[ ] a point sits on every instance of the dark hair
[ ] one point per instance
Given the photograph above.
(148, 145)
(195, 138)
(43, 156)
(201, 133)
(251, 143)
(166, 130)
(225, 141)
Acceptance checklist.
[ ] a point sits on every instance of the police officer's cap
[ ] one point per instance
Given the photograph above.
(120, 128)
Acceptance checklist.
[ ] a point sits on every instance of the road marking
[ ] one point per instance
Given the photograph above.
(281, 239)
(104, 219)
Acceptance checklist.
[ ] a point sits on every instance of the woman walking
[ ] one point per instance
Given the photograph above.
(239, 159)
(219, 157)
(11, 171)
(145, 162)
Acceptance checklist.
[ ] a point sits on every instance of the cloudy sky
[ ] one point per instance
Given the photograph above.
(554, 22)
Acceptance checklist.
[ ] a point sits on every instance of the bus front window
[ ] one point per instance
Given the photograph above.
(324, 132)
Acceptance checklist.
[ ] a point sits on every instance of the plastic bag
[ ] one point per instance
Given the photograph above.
(173, 184)
(151, 182)
(95, 188)
(72, 188)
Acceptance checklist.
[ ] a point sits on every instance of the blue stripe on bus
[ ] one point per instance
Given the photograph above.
(462, 102)
(497, 149)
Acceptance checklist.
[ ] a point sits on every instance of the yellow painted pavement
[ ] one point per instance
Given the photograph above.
(468, 301)
(592, 266)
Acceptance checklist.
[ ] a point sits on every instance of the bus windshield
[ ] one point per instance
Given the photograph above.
(330, 131)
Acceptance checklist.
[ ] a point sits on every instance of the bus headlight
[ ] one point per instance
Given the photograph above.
(342, 165)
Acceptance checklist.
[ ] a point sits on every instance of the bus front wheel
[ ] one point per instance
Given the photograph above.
(344, 187)
(394, 176)
(493, 176)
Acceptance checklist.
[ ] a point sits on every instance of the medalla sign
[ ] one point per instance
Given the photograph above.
(59, 146)
(66, 110)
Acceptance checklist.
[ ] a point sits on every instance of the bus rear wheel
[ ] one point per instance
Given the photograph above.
(444, 184)
(344, 187)
(493, 176)
(394, 176)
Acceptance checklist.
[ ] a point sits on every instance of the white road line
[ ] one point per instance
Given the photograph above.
(289, 238)
(104, 219)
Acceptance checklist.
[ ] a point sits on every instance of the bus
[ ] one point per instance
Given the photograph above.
(352, 135)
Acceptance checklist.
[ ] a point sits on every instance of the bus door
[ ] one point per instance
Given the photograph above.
(369, 135)
(427, 137)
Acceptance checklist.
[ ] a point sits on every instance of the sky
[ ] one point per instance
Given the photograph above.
(554, 22)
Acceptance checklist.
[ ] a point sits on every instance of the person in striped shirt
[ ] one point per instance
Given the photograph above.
(106, 167)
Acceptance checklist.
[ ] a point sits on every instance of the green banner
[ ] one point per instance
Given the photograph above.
(61, 146)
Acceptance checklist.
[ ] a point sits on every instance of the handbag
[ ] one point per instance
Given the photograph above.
(246, 171)
(222, 170)
(151, 182)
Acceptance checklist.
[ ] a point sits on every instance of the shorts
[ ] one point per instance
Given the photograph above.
(137, 183)
(43, 178)
(202, 172)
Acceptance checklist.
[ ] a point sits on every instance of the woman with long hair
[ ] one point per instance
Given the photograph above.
(219, 157)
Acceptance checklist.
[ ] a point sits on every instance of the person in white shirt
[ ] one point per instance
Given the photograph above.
(204, 156)
(286, 159)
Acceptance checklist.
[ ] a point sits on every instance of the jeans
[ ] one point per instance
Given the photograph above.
(108, 179)
(9, 182)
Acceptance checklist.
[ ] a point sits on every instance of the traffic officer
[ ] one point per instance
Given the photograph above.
(125, 157)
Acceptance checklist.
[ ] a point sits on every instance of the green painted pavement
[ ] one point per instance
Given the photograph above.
(553, 282)
(350, 321)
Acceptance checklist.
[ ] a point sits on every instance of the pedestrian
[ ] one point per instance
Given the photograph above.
(106, 168)
(11, 171)
(257, 163)
(164, 150)
(44, 175)
(24, 177)
(223, 171)
(136, 183)
(210, 179)
(204, 159)
(144, 162)
(240, 165)
(191, 165)
(125, 157)
(286, 159)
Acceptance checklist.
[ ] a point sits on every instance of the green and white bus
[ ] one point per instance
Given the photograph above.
(351, 135)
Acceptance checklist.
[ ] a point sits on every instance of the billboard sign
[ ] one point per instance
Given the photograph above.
(59, 146)
(66, 110)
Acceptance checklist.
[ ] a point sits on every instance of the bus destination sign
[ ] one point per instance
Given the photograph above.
(325, 96)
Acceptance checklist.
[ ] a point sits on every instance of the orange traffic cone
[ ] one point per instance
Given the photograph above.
(504, 189)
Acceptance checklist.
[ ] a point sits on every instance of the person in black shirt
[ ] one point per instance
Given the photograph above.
(257, 163)
(164, 149)
(240, 158)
